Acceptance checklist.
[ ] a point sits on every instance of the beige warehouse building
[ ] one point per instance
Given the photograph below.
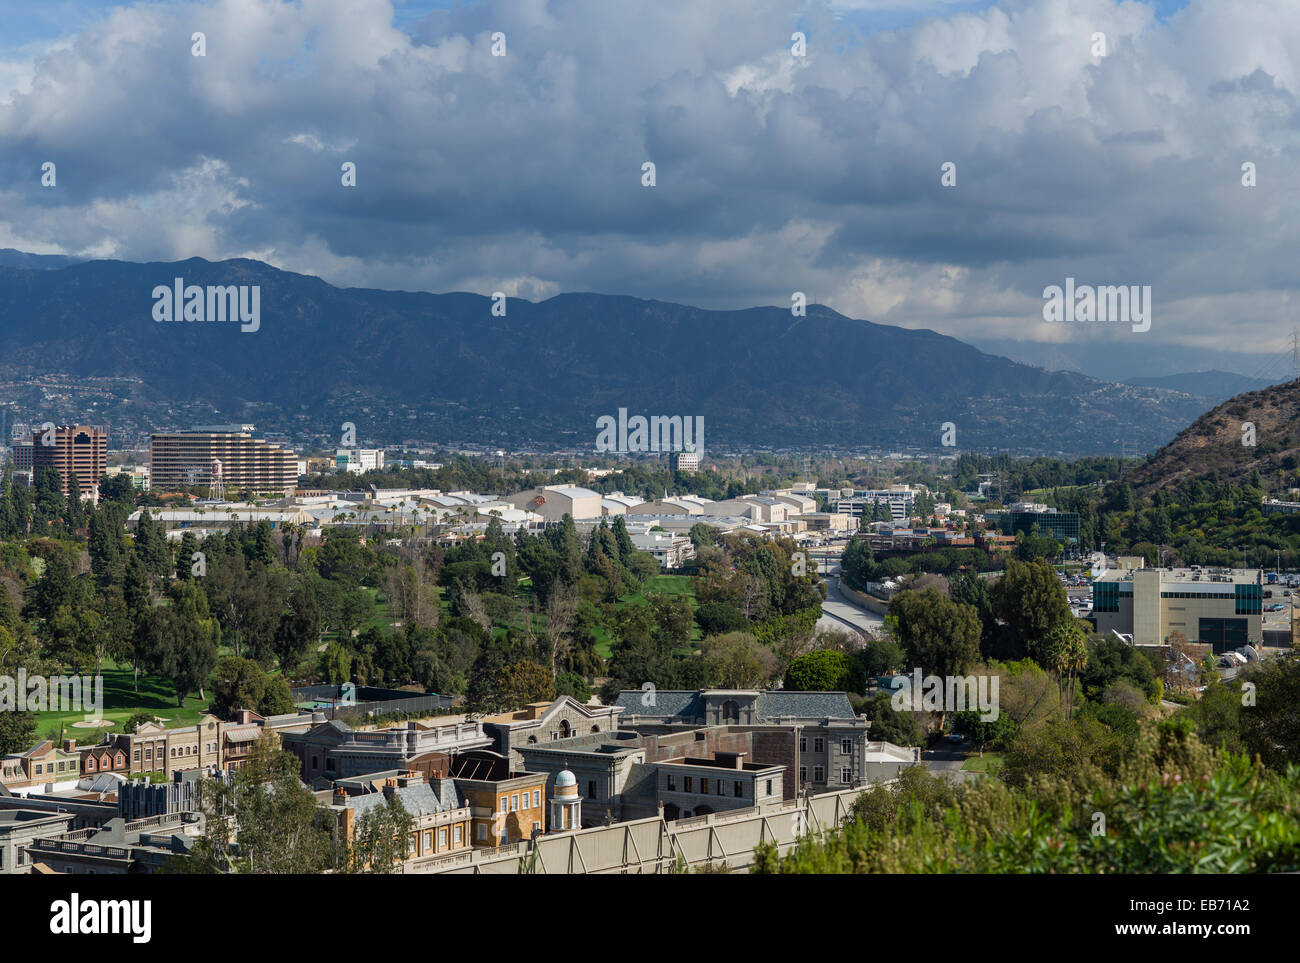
(1222, 608)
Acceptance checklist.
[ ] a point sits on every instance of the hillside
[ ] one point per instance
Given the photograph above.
(1216, 386)
(1211, 447)
(404, 365)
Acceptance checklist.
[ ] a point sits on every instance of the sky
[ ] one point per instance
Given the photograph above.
(774, 173)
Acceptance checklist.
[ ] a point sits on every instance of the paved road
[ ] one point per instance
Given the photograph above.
(837, 611)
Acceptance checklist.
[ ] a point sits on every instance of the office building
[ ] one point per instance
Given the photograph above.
(1221, 608)
(219, 453)
(70, 450)
(1037, 520)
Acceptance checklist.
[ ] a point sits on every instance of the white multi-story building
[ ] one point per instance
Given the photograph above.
(359, 459)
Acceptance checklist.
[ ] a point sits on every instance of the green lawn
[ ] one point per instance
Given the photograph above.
(121, 701)
(989, 762)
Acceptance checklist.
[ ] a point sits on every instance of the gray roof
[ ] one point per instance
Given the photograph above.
(667, 702)
(440, 796)
(688, 704)
(805, 705)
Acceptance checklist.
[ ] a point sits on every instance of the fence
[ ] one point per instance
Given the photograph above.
(656, 845)
(370, 701)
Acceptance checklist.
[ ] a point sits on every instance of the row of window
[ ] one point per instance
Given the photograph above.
(819, 774)
(512, 801)
(175, 751)
(719, 784)
(819, 745)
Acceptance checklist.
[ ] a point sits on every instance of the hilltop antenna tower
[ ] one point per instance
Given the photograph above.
(1295, 355)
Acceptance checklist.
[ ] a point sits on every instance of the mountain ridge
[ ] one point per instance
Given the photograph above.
(445, 366)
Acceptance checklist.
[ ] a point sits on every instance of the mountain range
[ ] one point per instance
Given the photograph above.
(443, 367)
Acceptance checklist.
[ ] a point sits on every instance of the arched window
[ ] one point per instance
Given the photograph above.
(565, 729)
(595, 728)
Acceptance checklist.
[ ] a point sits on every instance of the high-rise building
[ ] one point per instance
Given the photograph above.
(184, 459)
(686, 461)
(72, 450)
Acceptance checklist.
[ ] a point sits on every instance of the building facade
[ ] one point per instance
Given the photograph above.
(1222, 608)
(184, 459)
(542, 722)
(72, 450)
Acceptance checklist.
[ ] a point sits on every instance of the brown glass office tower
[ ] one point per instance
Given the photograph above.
(71, 450)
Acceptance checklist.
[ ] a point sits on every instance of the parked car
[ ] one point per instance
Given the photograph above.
(956, 737)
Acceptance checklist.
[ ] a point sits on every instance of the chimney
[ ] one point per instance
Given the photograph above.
(340, 797)
(69, 745)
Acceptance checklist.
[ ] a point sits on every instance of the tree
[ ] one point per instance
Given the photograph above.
(881, 656)
(572, 684)
(180, 640)
(735, 660)
(17, 732)
(265, 821)
(1031, 601)
(278, 699)
(941, 637)
(381, 838)
(1064, 653)
(1271, 727)
(983, 732)
(299, 629)
(239, 683)
(824, 671)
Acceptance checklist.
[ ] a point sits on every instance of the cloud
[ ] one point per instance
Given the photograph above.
(774, 173)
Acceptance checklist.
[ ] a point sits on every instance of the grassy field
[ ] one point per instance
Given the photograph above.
(989, 762)
(121, 701)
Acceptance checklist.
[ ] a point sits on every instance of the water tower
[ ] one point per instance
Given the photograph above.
(217, 488)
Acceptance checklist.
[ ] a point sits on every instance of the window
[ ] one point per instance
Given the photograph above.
(819, 745)
(704, 786)
(686, 783)
(846, 774)
(458, 835)
(537, 798)
(846, 746)
(505, 803)
(740, 789)
(428, 841)
(769, 787)
(672, 783)
(803, 773)
(442, 838)
(803, 743)
(514, 803)
(591, 789)
(819, 774)
(482, 832)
